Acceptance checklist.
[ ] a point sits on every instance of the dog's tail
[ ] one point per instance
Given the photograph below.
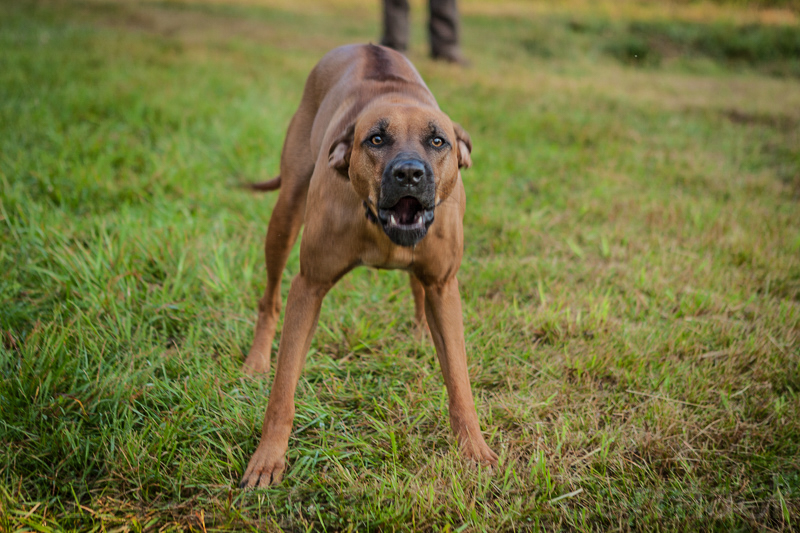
(263, 186)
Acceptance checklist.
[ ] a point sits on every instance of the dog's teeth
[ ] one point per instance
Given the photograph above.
(392, 220)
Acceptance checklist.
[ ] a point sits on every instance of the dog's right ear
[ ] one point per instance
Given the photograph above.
(341, 148)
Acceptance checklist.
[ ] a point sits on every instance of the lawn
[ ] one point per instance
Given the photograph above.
(631, 281)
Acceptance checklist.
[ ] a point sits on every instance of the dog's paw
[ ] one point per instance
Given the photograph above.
(256, 364)
(480, 453)
(264, 469)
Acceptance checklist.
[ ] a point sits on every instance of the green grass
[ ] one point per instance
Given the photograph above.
(703, 46)
(774, 49)
(631, 280)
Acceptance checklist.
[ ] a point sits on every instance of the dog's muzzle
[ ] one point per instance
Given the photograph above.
(408, 193)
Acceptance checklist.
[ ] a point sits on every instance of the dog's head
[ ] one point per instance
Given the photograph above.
(403, 160)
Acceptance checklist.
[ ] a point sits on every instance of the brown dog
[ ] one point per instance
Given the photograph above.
(371, 165)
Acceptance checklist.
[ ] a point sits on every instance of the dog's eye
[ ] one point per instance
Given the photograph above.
(376, 140)
(436, 142)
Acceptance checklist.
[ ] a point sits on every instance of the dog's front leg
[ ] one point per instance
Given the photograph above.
(443, 310)
(302, 312)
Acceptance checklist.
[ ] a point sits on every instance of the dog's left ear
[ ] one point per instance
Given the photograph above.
(341, 148)
(464, 146)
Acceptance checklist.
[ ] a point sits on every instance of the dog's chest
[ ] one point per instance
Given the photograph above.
(389, 257)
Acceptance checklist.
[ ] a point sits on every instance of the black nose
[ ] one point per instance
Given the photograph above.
(409, 172)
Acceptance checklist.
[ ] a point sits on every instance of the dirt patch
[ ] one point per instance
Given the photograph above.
(210, 24)
(784, 123)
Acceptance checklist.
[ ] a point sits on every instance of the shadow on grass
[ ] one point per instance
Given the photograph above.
(769, 49)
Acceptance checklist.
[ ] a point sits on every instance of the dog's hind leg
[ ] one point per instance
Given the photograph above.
(297, 165)
(419, 307)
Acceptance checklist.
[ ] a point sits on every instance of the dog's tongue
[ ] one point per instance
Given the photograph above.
(406, 210)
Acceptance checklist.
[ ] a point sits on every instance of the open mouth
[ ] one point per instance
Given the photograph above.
(407, 222)
(406, 214)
